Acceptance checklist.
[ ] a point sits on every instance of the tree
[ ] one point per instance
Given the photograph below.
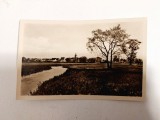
(138, 61)
(107, 42)
(83, 59)
(24, 59)
(115, 58)
(68, 60)
(130, 48)
(91, 60)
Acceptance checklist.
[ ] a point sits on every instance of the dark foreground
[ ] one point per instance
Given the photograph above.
(120, 81)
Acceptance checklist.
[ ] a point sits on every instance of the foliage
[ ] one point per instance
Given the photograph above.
(107, 42)
(130, 48)
(113, 42)
(83, 59)
(122, 81)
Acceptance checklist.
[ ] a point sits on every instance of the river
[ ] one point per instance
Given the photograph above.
(30, 82)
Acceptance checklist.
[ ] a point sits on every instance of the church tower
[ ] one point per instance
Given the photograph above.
(75, 58)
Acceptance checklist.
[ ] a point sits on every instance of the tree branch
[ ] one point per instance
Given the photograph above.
(100, 49)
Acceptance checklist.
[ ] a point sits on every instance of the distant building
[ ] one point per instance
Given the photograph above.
(91, 60)
(62, 59)
(98, 59)
(94, 60)
(82, 59)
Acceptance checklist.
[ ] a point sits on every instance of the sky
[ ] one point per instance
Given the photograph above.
(55, 39)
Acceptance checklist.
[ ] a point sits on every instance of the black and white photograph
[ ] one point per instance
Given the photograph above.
(85, 59)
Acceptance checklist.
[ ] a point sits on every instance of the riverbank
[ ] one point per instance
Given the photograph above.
(30, 69)
(118, 81)
(30, 83)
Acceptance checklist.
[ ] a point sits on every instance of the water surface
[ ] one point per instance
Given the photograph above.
(31, 82)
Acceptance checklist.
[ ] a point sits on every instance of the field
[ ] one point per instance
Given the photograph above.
(30, 68)
(94, 79)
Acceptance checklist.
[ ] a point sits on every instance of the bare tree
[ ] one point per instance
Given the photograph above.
(107, 42)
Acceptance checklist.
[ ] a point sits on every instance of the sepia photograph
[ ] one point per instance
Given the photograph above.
(83, 59)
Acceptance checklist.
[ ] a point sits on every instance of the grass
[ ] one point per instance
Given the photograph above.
(28, 69)
(122, 80)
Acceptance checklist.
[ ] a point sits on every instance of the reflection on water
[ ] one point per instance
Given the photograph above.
(30, 82)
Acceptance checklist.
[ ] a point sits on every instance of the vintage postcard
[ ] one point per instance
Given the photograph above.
(87, 59)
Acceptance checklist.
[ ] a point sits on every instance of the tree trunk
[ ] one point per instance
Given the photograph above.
(130, 62)
(111, 61)
(108, 66)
